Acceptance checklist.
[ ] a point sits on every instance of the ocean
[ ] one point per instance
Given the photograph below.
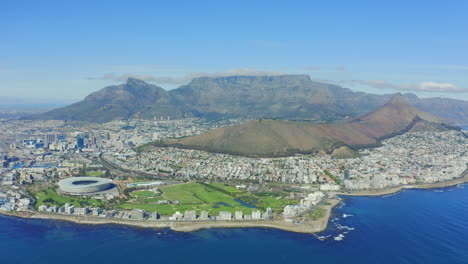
(413, 226)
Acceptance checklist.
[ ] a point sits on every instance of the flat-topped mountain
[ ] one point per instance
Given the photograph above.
(267, 137)
(283, 96)
(294, 97)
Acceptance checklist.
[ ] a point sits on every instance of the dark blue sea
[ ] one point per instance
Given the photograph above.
(413, 226)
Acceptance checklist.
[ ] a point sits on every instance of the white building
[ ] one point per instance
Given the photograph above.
(190, 215)
(176, 216)
(203, 215)
(256, 215)
(69, 209)
(238, 215)
(43, 207)
(223, 215)
(81, 210)
(329, 187)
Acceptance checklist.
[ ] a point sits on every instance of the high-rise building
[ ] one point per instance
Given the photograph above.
(238, 215)
(69, 209)
(223, 215)
(204, 215)
(52, 137)
(190, 215)
(79, 142)
(346, 175)
(256, 215)
(154, 215)
(268, 214)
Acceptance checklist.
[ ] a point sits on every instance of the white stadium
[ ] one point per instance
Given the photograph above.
(84, 185)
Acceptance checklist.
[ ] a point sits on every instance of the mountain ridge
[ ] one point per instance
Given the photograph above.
(271, 138)
(281, 96)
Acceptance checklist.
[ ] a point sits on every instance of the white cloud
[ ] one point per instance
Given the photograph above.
(437, 87)
(186, 78)
(426, 86)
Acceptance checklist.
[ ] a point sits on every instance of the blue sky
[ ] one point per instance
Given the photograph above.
(67, 49)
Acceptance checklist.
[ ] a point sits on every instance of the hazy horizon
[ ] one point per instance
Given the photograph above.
(52, 102)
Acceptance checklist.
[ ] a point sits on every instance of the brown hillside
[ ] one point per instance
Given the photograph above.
(281, 137)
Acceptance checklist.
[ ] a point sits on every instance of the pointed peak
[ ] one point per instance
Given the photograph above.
(398, 98)
(133, 80)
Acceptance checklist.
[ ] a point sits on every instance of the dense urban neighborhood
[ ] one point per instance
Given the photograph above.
(172, 184)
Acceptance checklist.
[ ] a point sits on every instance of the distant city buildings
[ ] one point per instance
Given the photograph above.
(304, 205)
(44, 152)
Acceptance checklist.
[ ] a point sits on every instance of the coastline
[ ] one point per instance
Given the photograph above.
(314, 226)
(310, 227)
(392, 190)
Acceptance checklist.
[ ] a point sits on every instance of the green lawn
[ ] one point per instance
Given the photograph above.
(143, 194)
(276, 203)
(317, 213)
(196, 196)
(212, 198)
(185, 193)
(51, 197)
(94, 173)
(229, 188)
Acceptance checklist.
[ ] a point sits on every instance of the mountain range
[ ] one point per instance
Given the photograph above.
(270, 138)
(294, 97)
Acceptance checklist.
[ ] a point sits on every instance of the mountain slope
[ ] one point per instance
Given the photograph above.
(294, 97)
(133, 99)
(452, 110)
(263, 138)
(284, 96)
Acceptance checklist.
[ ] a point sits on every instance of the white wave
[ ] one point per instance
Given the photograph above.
(339, 237)
(344, 227)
